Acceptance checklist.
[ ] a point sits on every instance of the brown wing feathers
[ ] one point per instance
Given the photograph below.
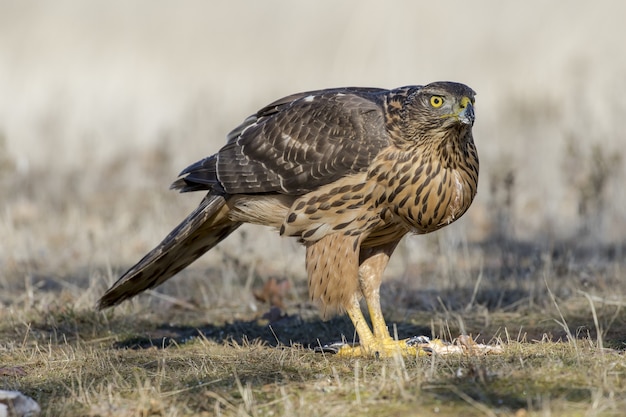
(293, 147)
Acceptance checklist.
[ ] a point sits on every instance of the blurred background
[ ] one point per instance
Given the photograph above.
(103, 103)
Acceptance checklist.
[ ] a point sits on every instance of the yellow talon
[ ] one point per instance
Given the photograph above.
(383, 349)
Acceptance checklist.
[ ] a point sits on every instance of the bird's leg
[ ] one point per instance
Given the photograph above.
(360, 324)
(370, 278)
(379, 342)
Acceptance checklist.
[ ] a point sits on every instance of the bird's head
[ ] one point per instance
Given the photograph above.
(440, 108)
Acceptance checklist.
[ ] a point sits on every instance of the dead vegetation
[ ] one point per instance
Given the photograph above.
(172, 362)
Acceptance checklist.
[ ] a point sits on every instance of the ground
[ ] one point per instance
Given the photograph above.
(200, 346)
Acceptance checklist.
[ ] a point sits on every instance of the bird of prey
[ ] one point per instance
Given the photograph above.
(348, 171)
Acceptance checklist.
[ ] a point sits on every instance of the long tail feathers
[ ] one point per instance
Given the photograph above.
(204, 228)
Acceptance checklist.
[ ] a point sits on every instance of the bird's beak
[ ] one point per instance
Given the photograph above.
(465, 112)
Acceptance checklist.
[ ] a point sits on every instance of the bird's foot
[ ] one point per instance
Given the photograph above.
(385, 348)
(414, 346)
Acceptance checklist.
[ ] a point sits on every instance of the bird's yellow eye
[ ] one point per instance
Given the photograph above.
(436, 101)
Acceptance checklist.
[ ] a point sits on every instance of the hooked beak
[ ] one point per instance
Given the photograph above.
(465, 113)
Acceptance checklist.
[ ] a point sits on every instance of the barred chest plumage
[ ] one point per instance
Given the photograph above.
(424, 195)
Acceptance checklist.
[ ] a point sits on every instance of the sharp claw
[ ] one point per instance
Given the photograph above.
(333, 347)
(417, 340)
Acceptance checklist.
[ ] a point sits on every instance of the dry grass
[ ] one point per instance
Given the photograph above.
(85, 363)
(203, 344)
(97, 119)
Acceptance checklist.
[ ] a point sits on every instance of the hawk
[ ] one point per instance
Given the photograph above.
(348, 171)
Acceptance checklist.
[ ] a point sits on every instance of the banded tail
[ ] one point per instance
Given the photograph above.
(204, 228)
